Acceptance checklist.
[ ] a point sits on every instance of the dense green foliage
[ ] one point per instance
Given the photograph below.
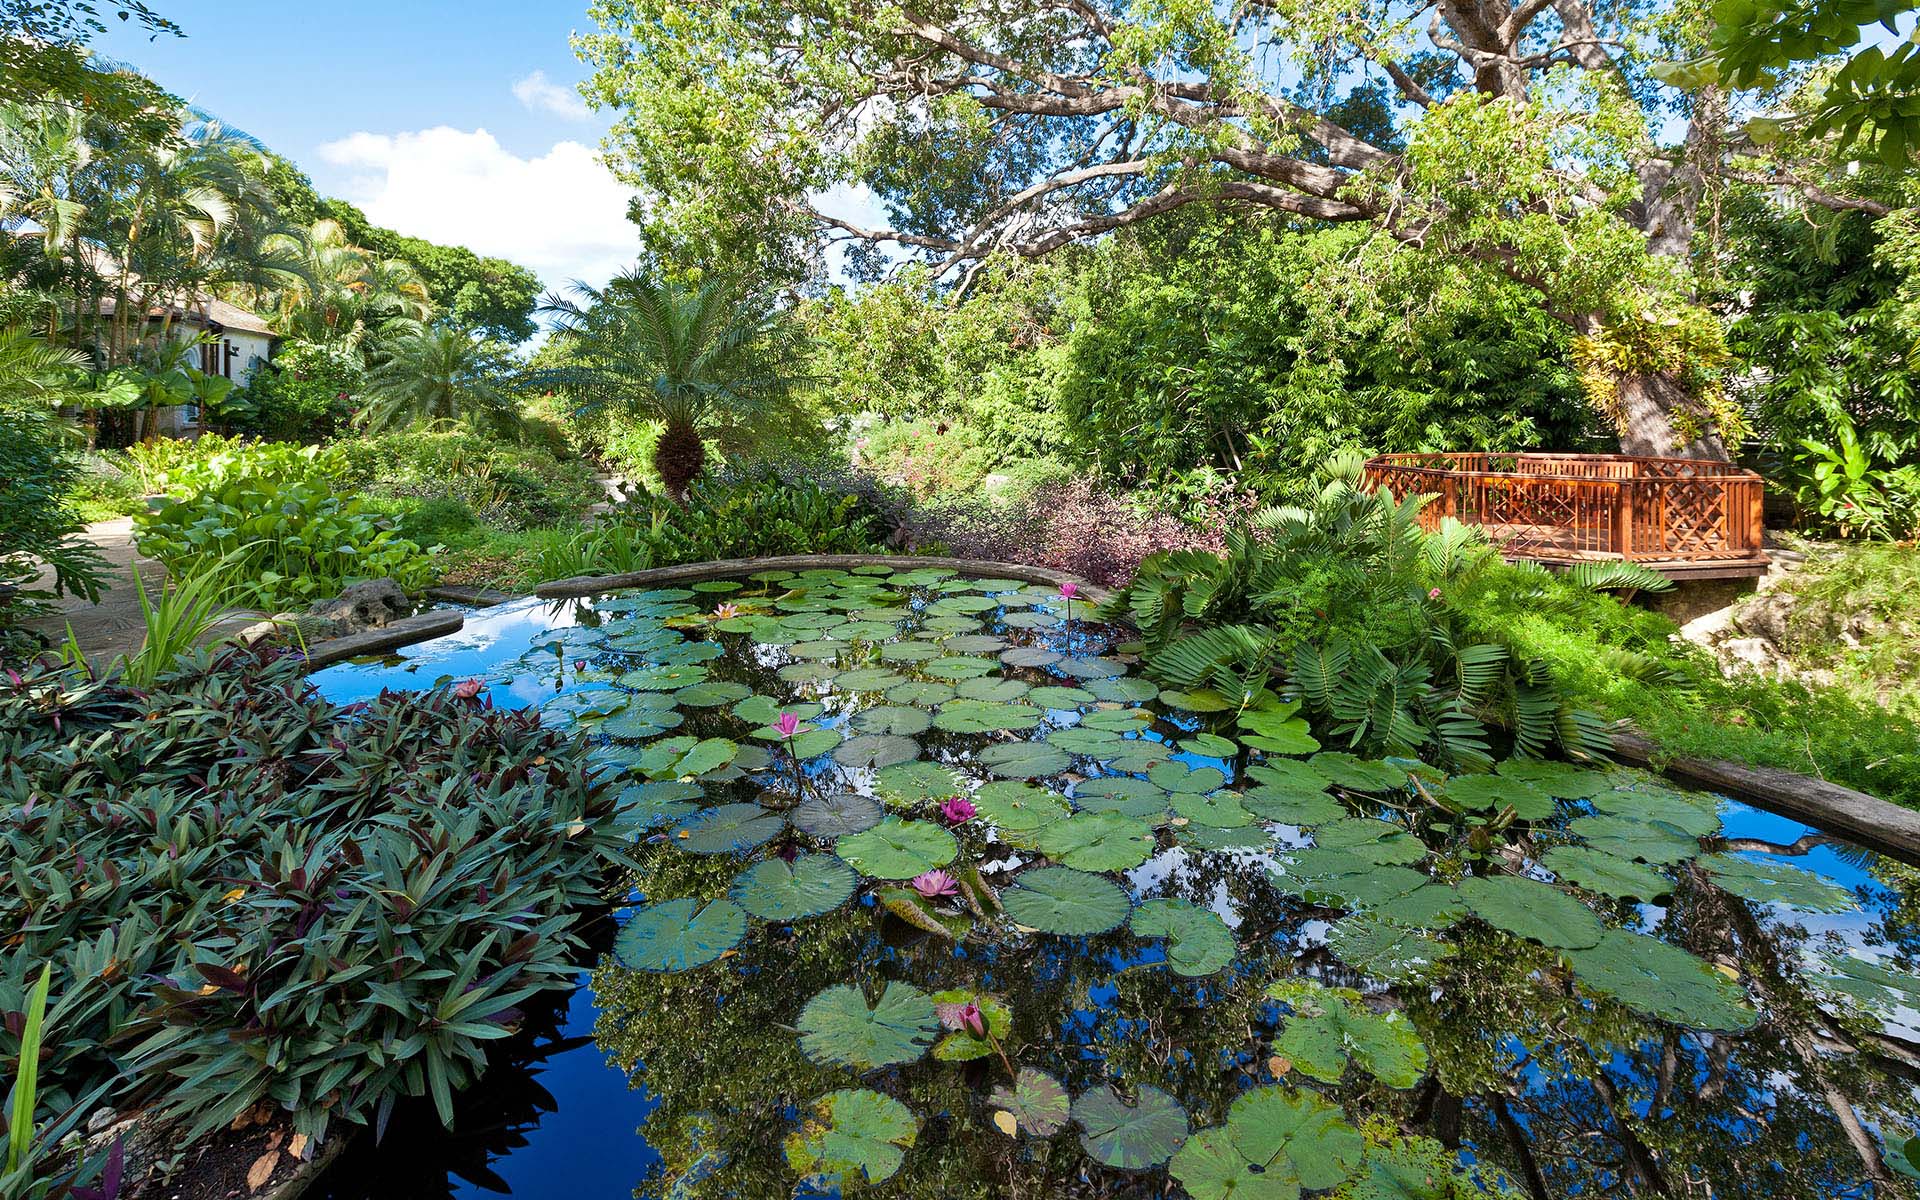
(37, 523)
(504, 485)
(1210, 350)
(368, 895)
(754, 515)
(272, 516)
(1364, 617)
(306, 393)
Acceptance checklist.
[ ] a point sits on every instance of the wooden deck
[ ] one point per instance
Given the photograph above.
(1685, 518)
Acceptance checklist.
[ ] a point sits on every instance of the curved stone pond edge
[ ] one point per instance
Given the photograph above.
(1857, 816)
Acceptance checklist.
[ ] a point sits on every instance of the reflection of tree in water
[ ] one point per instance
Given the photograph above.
(1567, 1094)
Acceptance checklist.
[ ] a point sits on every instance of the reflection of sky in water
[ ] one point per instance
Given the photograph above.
(588, 1146)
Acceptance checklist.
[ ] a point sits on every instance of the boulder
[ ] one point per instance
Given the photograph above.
(372, 604)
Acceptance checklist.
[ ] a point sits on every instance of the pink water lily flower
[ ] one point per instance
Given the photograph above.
(1069, 590)
(467, 689)
(726, 611)
(934, 884)
(955, 810)
(787, 724)
(972, 1020)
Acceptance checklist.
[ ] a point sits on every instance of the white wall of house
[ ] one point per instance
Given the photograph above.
(250, 352)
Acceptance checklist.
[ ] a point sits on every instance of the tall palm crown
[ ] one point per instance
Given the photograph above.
(703, 360)
(439, 373)
(345, 290)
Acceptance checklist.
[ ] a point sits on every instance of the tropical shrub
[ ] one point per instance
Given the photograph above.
(764, 511)
(102, 488)
(307, 393)
(248, 894)
(36, 523)
(1073, 525)
(1346, 602)
(706, 361)
(181, 467)
(429, 373)
(507, 486)
(287, 537)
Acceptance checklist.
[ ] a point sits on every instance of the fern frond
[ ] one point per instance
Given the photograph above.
(1317, 667)
(1617, 576)
(1231, 652)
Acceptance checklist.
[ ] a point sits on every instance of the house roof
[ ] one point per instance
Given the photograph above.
(206, 312)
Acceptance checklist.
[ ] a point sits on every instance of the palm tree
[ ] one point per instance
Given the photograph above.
(36, 376)
(439, 373)
(346, 290)
(702, 360)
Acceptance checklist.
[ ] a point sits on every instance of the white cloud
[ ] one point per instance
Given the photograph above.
(541, 94)
(561, 213)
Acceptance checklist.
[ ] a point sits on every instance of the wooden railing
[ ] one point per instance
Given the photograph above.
(1570, 507)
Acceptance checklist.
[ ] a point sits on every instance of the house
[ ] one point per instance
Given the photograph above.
(236, 344)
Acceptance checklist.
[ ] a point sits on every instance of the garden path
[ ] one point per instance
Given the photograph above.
(113, 626)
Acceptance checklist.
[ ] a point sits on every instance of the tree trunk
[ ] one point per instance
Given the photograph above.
(1649, 405)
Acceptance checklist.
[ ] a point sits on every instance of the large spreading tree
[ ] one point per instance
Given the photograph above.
(1555, 142)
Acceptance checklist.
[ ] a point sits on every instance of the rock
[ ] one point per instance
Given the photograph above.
(101, 1119)
(1751, 653)
(372, 604)
(1767, 615)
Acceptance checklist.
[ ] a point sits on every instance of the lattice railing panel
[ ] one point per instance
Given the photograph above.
(1588, 506)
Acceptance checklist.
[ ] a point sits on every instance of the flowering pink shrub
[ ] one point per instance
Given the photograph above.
(1073, 526)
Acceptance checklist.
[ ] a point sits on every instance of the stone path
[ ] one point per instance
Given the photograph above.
(114, 626)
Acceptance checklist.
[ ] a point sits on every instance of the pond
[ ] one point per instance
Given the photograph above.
(1023, 925)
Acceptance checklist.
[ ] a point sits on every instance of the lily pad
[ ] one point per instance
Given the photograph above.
(1131, 1136)
(1036, 1103)
(1662, 981)
(854, 1136)
(1064, 698)
(1595, 871)
(960, 667)
(997, 691)
(1019, 808)
(912, 782)
(1097, 842)
(876, 750)
(1765, 882)
(1484, 793)
(1386, 950)
(1064, 901)
(1275, 729)
(711, 694)
(868, 679)
(1221, 810)
(919, 693)
(1530, 909)
(1357, 774)
(839, 1027)
(1563, 781)
(1298, 1133)
(1178, 777)
(1090, 668)
(1210, 1167)
(1126, 689)
(728, 829)
(982, 716)
(836, 814)
(679, 935)
(776, 890)
(892, 719)
(651, 805)
(1198, 941)
(1023, 760)
(1332, 1027)
(897, 849)
(1030, 656)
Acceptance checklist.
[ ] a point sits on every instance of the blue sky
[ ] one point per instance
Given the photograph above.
(456, 122)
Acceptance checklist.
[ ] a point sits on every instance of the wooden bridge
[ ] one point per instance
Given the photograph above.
(1686, 518)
